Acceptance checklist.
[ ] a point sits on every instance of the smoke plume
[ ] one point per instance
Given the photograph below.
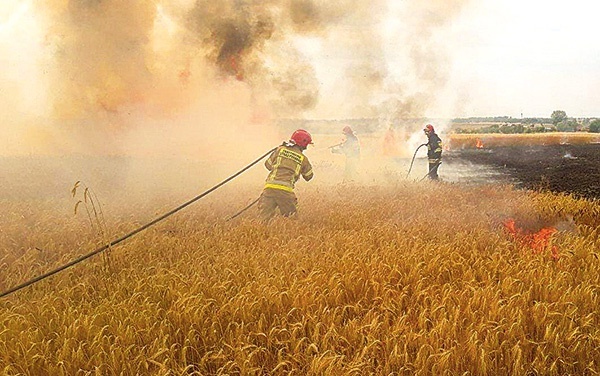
(426, 50)
(114, 73)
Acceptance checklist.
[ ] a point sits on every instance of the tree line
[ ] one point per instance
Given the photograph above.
(557, 122)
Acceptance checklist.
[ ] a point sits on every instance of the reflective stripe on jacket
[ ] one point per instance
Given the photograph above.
(286, 164)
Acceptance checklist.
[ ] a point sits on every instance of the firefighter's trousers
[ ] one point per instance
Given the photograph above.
(433, 169)
(271, 199)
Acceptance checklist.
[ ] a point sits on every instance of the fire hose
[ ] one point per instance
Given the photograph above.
(413, 161)
(134, 232)
(429, 172)
(243, 210)
(257, 199)
(328, 147)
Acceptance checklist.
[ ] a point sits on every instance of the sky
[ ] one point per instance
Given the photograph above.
(506, 58)
(529, 57)
(107, 65)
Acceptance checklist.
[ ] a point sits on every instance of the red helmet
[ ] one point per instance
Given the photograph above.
(347, 130)
(429, 128)
(301, 138)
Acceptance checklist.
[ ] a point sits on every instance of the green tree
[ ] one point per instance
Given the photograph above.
(595, 126)
(558, 116)
(567, 126)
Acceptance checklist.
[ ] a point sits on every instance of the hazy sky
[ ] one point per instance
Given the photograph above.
(529, 56)
(497, 57)
(505, 57)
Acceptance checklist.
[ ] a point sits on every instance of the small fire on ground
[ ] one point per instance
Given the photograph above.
(479, 144)
(539, 241)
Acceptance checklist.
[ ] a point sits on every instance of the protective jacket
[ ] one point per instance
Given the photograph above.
(286, 164)
(350, 147)
(434, 148)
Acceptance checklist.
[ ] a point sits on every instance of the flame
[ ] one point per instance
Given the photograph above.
(479, 144)
(235, 67)
(185, 74)
(538, 241)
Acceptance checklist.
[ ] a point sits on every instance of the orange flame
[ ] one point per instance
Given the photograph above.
(479, 144)
(185, 74)
(235, 68)
(537, 241)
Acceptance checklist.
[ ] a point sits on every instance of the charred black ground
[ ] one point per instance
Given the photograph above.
(566, 168)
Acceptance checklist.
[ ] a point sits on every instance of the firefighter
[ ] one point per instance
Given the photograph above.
(434, 151)
(350, 147)
(285, 164)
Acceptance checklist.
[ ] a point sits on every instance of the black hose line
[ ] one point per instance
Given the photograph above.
(429, 172)
(243, 210)
(132, 233)
(413, 160)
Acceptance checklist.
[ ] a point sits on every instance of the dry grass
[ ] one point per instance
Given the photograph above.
(469, 141)
(398, 280)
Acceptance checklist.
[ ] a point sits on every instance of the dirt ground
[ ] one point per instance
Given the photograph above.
(560, 168)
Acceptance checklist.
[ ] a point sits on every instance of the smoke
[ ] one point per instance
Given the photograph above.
(111, 73)
(429, 21)
(425, 57)
(419, 56)
(388, 60)
(118, 64)
(100, 49)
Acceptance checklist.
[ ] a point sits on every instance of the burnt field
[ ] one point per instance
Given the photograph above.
(573, 169)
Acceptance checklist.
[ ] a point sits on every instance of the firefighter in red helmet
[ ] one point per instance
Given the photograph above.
(434, 151)
(286, 165)
(350, 147)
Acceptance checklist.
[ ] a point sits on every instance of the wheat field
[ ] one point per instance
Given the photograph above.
(398, 279)
(466, 141)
